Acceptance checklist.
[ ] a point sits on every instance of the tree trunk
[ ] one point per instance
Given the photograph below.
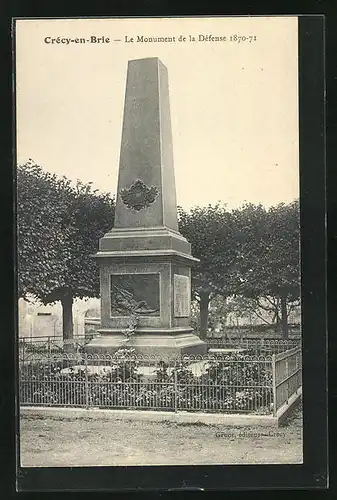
(67, 315)
(204, 302)
(284, 318)
(278, 325)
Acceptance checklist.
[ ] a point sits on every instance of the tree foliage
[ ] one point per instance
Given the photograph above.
(269, 256)
(212, 235)
(269, 260)
(252, 252)
(211, 232)
(58, 228)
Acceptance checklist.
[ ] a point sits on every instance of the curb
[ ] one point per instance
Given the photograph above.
(153, 416)
(285, 410)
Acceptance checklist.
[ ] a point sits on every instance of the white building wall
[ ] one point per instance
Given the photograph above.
(35, 319)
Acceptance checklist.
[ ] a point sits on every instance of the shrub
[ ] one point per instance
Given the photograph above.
(230, 384)
(240, 382)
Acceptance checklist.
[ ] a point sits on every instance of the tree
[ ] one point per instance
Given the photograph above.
(249, 252)
(269, 259)
(212, 235)
(59, 226)
(265, 309)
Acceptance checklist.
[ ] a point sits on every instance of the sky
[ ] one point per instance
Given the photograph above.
(234, 106)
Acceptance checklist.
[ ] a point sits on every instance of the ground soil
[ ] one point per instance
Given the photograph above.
(64, 441)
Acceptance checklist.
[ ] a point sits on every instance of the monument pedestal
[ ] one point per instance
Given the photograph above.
(155, 284)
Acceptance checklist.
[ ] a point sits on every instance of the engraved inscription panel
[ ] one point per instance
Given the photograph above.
(135, 294)
(182, 296)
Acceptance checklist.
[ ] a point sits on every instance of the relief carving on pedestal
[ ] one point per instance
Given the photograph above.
(135, 294)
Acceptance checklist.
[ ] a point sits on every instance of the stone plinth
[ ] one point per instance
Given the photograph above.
(162, 279)
(168, 346)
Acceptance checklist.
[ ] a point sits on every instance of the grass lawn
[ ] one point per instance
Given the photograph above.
(64, 441)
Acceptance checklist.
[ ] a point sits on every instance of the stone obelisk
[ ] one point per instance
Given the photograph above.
(145, 263)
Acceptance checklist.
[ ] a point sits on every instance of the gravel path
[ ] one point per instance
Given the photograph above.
(68, 441)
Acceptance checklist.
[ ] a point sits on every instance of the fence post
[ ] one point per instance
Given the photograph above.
(23, 351)
(287, 375)
(273, 365)
(175, 388)
(86, 383)
(49, 357)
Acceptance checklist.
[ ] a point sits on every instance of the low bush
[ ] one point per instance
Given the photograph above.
(231, 384)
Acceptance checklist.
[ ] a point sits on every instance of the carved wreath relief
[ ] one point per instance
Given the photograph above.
(139, 195)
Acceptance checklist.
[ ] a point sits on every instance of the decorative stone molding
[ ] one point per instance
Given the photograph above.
(139, 196)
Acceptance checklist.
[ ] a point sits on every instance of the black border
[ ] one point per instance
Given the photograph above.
(313, 474)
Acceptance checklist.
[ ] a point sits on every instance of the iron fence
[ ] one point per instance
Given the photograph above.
(234, 383)
(259, 345)
(287, 376)
(52, 344)
(57, 345)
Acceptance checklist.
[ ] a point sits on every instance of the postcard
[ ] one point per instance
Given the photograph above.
(158, 222)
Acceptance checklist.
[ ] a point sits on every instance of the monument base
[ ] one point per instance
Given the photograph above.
(168, 345)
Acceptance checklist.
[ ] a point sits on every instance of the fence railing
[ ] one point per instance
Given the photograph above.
(54, 345)
(287, 376)
(234, 383)
(258, 344)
